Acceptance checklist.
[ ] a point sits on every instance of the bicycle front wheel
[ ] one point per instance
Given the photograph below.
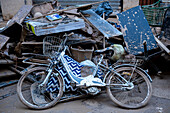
(137, 94)
(32, 95)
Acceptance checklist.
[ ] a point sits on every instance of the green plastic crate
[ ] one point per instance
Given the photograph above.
(154, 14)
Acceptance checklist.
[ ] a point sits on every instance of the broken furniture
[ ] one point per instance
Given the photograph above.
(136, 30)
(138, 35)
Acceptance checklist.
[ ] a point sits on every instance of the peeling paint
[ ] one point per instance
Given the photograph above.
(135, 30)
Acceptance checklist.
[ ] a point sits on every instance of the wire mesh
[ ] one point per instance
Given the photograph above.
(154, 15)
(51, 45)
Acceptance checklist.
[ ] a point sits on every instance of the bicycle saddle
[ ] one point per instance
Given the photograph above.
(105, 50)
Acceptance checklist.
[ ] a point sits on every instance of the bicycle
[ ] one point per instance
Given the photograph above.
(127, 85)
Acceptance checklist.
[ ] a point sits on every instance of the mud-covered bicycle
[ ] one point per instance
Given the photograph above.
(127, 85)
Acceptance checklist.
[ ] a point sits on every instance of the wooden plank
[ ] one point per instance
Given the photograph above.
(102, 25)
(32, 43)
(73, 12)
(21, 14)
(6, 61)
(11, 7)
(162, 45)
(136, 30)
(3, 40)
(6, 73)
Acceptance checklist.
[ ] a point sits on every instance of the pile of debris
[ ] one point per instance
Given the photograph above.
(39, 30)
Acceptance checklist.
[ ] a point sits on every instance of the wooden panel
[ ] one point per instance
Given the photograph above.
(102, 25)
(136, 30)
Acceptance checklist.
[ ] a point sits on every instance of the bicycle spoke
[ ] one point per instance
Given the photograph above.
(135, 93)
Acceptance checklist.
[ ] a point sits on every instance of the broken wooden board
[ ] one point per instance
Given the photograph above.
(11, 7)
(136, 30)
(102, 25)
(21, 14)
(161, 45)
(32, 43)
(3, 40)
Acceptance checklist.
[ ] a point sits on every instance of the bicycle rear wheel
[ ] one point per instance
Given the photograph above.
(32, 96)
(135, 96)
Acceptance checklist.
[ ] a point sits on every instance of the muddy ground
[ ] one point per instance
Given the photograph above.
(159, 102)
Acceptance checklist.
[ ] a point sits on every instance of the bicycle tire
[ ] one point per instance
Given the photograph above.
(127, 98)
(34, 102)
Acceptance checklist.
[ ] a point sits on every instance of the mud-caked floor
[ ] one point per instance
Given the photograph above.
(159, 102)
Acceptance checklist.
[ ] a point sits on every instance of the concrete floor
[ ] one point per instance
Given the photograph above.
(159, 102)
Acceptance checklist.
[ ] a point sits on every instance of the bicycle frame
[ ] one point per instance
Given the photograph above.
(88, 81)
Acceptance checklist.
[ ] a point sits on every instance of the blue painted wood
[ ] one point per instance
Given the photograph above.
(136, 29)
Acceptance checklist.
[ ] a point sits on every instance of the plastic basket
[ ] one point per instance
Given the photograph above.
(81, 54)
(154, 14)
(51, 45)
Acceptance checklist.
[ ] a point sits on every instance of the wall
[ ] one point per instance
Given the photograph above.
(127, 4)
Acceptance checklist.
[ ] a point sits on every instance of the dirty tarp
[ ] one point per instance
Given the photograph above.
(104, 8)
(135, 30)
(102, 25)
